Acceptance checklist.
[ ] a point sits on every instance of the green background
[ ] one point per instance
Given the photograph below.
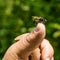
(16, 19)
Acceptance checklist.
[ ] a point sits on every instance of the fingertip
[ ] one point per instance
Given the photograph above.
(40, 30)
(21, 36)
(41, 25)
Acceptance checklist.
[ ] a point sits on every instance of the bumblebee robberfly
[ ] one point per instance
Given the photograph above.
(38, 19)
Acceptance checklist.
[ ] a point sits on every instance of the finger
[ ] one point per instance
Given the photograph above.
(35, 55)
(47, 50)
(52, 58)
(21, 36)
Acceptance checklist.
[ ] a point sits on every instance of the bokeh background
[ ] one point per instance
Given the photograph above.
(16, 19)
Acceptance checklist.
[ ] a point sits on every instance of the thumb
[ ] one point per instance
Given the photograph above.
(32, 40)
(35, 37)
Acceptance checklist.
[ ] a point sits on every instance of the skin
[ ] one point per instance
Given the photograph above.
(31, 44)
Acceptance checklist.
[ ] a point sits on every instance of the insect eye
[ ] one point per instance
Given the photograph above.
(41, 19)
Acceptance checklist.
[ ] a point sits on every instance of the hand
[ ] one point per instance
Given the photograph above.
(31, 44)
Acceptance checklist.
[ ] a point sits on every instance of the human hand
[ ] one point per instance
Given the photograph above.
(31, 44)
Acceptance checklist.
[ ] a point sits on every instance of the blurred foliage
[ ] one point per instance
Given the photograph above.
(16, 19)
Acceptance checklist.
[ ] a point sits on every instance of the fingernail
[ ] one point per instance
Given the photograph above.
(37, 29)
(48, 59)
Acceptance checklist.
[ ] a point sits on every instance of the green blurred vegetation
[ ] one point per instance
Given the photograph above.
(16, 19)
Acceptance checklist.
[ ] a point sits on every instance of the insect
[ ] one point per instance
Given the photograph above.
(38, 19)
